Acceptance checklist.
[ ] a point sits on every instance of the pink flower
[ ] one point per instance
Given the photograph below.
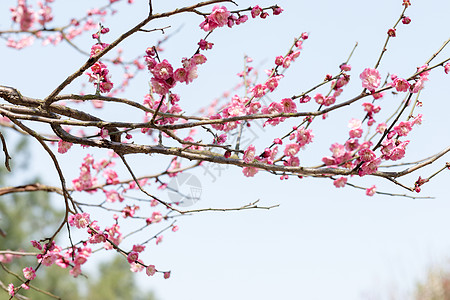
(370, 79)
(278, 141)
(175, 228)
(371, 191)
(272, 83)
(403, 128)
(162, 70)
(29, 273)
(391, 32)
(218, 18)
(406, 20)
(36, 245)
(132, 256)
(340, 182)
(291, 149)
(111, 176)
(259, 90)
(166, 275)
(136, 267)
(447, 68)
(401, 85)
(378, 95)
(138, 248)
(76, 270)
(398, 152)
(256, 11)
(369, 167)
(113, 196)
(417, 120)
(180, 75)
(319, 98)
(381, 128)
(249, 154)
(150, 270)
(249, 171)
(63, 146)
(23, 15)
(219, 15)
(303, 136)
(419, 85)
(198, 59)
(161, 87)
(79, 220)
(288, 105)
(287, 62)
(11, 291)
(156, 217)
(366, 154)
(277, 10)
(292, 161)
(345, 67)
(279, 60)
(159, 239)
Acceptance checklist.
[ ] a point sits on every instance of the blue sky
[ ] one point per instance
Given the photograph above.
(321, 242)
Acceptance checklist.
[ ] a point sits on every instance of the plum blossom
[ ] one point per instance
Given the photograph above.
(150, 270)
(355, 128)
(291, 149)
(64, 146)
(249, 171)
(259, 90)
(29, 273)
(369, 167)
(303, 136)
(79, 220)
(288, 105)
(340, 182)
(217, 18)
(24, 15)
(371, 79)
(366, 154)
(400, 84)
(403, 128)
(132, 256)
(249, 154)
(11, 290)
(447, 68)
(371, 191)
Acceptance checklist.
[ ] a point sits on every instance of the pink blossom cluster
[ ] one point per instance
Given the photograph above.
(85, 181)
(100, 77)
(341, 155)
(51, 254)
(129, 211)
(302, 136)
(79, 220)
(64, 146)
(113, 234)
(164, 77)
(220, 16)
(371, 79)
(23, 14)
